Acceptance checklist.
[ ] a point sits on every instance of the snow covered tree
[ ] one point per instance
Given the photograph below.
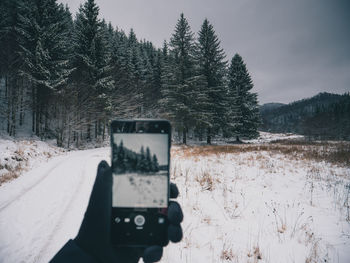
(245, 117)
(11, 79)
(124, 97)
(41, 43)
(210, 58)
(179, 90)
(182, 43)
(92, 75)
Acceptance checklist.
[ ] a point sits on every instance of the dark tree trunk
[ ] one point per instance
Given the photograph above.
(104, 129)
(88, 131)
(200, 135)
(69, 135)
(21, 111)
(208, 136)
(33, 109)
(184, 135)
(13, 121)
(96, 129)
(7, 96)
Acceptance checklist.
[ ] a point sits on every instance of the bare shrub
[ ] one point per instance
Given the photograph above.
(48, 154)
(313, 256)
(207, 220)
(206, 181)
(8, 176)
(234, 211)
(227, 255)
(255, 253)
(19, 152)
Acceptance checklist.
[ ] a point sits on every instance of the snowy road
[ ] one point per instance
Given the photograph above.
(43, 208)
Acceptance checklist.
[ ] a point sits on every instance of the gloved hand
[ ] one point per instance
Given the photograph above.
(94, 234)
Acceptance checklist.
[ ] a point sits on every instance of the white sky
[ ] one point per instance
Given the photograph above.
(293, 49)
(157, 143)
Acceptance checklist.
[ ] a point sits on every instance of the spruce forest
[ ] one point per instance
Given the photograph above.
(65, 76)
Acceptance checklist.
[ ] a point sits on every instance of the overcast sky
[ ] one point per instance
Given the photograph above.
(293, 49)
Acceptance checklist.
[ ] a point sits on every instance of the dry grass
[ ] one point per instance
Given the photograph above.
(206, 181)
(336, 152)
(255, 254)
(207, 220)
(12, 173)
(227, 255)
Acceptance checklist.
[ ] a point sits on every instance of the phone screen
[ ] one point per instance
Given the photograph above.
(140, 193)
(140, 170)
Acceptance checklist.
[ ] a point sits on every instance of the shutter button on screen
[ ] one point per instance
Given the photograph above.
(139, 220)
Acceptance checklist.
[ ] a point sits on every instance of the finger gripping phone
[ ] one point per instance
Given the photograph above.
(140, 192)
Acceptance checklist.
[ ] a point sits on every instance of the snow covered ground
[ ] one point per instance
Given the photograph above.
(42, 209)
(269, 137)
(135, 190)
(260, 206)
(242, 203)
(18, 156)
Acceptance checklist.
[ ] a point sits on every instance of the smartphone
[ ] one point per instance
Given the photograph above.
(140, 193)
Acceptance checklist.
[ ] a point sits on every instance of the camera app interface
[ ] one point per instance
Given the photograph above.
(140, 173)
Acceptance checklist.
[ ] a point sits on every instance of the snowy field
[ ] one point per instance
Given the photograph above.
(254, 203)
(260, 202)
(134, 190)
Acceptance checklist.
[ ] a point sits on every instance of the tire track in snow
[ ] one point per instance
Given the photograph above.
(60, 221)
(70, 203)
(37, 182)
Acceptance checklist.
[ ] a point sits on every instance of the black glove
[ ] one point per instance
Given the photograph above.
(94, 234)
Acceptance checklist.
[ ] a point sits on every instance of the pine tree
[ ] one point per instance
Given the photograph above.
(245, 117)
(120, 163)
(210, 58)
(124, 98)
(92, 76)
(42, 37)
(10, 63)
(142, 163)
(157, 86)
(155, 164)
(148, 160)
(182, 43)
(178, 91)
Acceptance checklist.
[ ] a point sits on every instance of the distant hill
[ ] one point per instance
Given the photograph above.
(270, 106)
(325, 115)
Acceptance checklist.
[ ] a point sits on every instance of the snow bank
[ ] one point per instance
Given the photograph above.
(265, 137)
(18, 156)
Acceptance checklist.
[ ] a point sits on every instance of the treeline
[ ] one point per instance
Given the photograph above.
(324, 116)
(330, 122)
(126, 160)
(70, 77)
